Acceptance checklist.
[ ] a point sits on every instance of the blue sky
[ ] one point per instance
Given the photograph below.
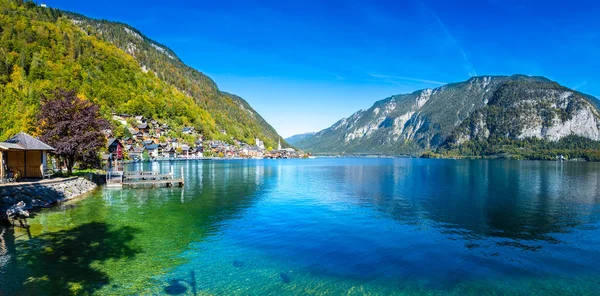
(303, 65)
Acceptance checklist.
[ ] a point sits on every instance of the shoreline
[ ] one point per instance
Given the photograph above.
(18, 199)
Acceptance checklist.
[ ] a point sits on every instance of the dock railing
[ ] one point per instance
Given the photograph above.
(134, 179)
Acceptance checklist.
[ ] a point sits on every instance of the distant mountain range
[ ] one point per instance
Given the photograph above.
(115, 66)
(297, 138)
(483, 116)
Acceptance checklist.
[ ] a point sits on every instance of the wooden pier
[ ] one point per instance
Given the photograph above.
(143, 179)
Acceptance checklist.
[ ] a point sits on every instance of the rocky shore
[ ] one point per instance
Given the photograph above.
(16, 200)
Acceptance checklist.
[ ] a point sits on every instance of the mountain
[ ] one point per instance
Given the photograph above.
(116, 67)
(484, 109)
(297, 138)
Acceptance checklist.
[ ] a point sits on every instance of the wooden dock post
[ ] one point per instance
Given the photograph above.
(182, 177)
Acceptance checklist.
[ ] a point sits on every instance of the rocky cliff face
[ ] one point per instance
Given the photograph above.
(516, 107)
(531, 109)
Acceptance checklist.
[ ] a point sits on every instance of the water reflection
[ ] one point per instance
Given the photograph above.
(75, 247)
(294, 226)
(519, 200)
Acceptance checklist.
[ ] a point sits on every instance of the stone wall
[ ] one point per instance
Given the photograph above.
(17, 199)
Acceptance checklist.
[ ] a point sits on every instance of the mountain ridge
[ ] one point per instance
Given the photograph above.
(189, 80)
(424, 119)
(298, 137)
(115, 66)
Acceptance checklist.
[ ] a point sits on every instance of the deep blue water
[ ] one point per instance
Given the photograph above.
(347, 226)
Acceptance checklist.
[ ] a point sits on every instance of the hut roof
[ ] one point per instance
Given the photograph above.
(112, 141)
(23, 141)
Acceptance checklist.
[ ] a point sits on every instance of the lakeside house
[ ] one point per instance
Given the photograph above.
(143, 128)
(185, 150)
(115, 148)
(146, 135)
(136, 152)
(169, 152)
(154, 150)
(25, 155)
(139, 136)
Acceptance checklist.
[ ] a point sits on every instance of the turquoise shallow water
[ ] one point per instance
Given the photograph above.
(322, 226)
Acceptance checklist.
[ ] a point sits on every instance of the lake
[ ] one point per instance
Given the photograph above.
(350, 226)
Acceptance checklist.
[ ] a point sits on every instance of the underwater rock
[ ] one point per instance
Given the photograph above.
(238, 263)
(285, 277)
(175, 288)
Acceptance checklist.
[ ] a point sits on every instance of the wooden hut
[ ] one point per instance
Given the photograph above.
(25, 155)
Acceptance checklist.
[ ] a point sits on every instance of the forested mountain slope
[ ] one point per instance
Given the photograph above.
(113, 65)
(483, 109)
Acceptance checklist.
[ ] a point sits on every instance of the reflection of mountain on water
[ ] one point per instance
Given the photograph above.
(505, 199)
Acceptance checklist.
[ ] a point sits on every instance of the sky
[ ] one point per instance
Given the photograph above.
(303, 65)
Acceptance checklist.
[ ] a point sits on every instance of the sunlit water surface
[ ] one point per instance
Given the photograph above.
(322, 226)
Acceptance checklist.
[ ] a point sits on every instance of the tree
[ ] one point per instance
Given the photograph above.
(145, 155)
(120, 131)
(73, 126)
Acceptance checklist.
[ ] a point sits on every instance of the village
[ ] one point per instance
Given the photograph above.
(150, 140)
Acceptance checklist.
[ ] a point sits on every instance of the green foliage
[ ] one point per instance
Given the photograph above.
(230, 113)
(145, 155)
(44, 50)
(515, 106)
(570, 147)
(120, 131)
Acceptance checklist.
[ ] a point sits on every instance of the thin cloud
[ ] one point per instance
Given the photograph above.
(407, 79)
(338, 77)
(468, 66)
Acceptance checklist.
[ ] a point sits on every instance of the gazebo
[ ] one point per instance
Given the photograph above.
(23, 154)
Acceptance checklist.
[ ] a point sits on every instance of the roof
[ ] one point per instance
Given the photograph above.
(112, 141)
(10, 146)
(139, 149)
(142, 126)
(152, 147)
(23, 141)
